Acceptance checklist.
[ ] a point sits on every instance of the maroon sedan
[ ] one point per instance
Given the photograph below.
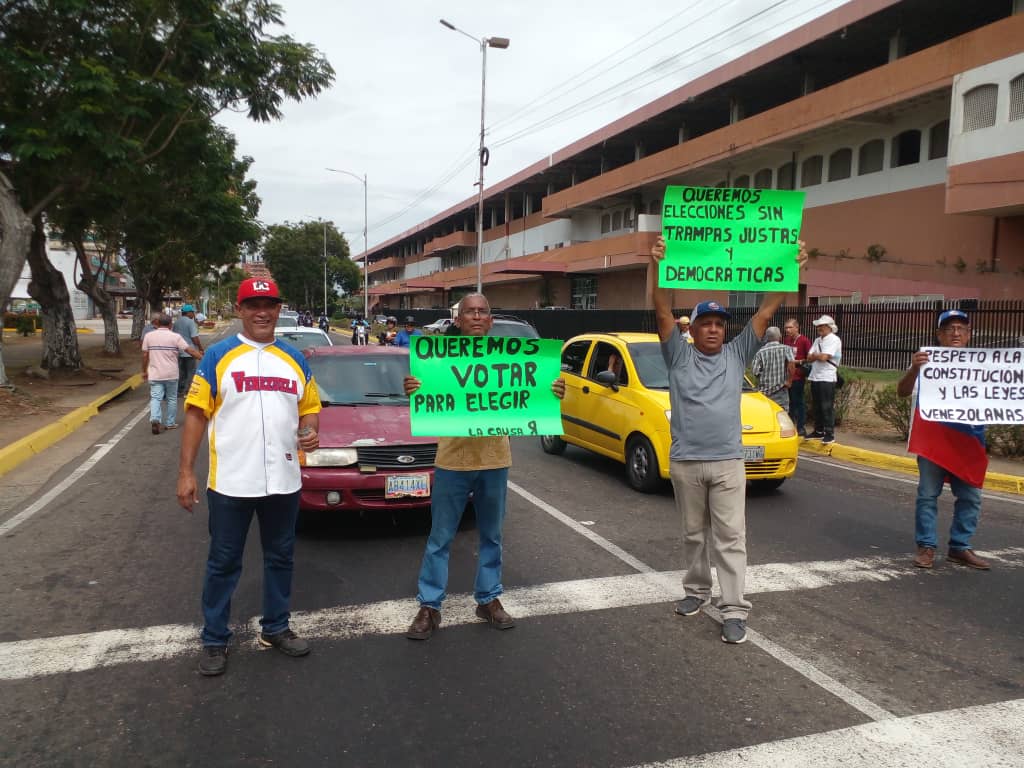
(367, 459)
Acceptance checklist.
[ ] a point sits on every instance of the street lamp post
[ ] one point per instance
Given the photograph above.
(483, 155)
(366, 274)
(325, 268)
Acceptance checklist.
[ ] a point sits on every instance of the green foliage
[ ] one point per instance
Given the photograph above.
(892, 409)
(851, 395)
(294, 254)
(25, 325)
(1005, 440)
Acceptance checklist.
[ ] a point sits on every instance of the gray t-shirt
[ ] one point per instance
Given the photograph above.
(704, 391)
(186, 327)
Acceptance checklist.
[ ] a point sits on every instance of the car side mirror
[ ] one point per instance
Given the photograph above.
(609, 379)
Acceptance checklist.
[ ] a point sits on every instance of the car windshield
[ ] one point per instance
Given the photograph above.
(360, 379)
(303, 340)
(287, 322)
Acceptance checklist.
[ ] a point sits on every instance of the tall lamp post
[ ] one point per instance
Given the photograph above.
(366, 266)
(484, 43)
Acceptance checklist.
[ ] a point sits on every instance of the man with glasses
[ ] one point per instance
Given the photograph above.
(464, 466)
(946, 450)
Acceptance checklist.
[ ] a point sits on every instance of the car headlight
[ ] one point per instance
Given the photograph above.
(786, 425)
(668, 415)
(331, 457)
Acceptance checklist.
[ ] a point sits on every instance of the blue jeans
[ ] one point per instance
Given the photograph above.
(186, 370)
(451, 492)
(163, 391)
(966, 508)
(230, 517)
(797, 405)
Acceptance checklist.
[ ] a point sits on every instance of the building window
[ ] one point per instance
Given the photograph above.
(810, 171)
(906, 149)
(840, 164)
(742, 182)
(938, 140)
(584, 293)
(606, 224)
(980, 107)
(616, 221)
(722, 184)
(1017, 98)
(628, 218)
(740, 299)
(763, 179)
(785, 177)
(655, 208)
(871, 157)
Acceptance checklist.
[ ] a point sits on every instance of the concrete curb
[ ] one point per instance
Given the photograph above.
(24, 449)
(994, 481)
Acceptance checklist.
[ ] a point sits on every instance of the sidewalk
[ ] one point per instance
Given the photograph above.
(69, 407)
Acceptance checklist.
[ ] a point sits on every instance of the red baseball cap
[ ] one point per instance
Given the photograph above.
(258, 288)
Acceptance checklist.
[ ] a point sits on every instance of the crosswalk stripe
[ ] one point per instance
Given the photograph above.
(989, 734)
(80, 652)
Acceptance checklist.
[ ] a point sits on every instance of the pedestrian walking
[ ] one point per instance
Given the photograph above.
(464, 466)
(250, 390)
(706, 455)
(160, 350)
(946, 451)
(187, 328)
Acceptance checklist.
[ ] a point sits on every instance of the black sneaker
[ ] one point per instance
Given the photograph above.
(734, 631)
(690, 605)
(286, 641)
(828, 439)
(815, 435)
(214, 660)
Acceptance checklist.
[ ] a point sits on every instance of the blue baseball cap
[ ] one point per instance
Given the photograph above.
(187, 308)
(709, 308)
(953, 314)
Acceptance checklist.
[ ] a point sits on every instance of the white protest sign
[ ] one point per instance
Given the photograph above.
(967, 385)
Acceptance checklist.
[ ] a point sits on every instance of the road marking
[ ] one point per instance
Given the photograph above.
(71, 479)
(81, 652)
(839, 465)
(989, 734)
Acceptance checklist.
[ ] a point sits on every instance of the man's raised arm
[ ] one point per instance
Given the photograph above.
(661, 297)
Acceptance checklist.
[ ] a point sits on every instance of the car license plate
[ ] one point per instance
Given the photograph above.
(753, 453)
(416, 485)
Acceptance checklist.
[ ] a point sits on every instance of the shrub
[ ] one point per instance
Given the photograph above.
(851, 395)
(26, 325)
(1005, 439)
(892, 409)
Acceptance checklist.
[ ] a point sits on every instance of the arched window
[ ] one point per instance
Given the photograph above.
(721, 184)
(784, 179)
(938, 140)
(616, 221)
(1017, 98)
(840, 164)
(606, 224)
(906, 149)
(742, 182)
(810, 171)
(871, 157)
(980, 107)
(763, 179)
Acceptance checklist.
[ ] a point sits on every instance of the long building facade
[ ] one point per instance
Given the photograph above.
(901, 120)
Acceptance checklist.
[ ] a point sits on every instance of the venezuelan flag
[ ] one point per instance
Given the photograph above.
(957, 448)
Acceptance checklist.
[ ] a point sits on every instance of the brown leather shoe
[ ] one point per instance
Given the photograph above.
(968, 558)
(427, 620)
(495, 615)
(925, 557)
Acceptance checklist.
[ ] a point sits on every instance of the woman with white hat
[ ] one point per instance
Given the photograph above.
(826, 352)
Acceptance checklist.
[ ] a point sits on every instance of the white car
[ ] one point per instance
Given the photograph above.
(438, 326)
(302, 337)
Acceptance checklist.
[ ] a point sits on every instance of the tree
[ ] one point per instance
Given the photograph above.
(294, 254)
(92, 87)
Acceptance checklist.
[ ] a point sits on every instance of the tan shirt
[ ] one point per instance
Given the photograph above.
(472, 453)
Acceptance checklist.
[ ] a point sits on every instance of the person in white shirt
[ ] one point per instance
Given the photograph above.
(825, 355)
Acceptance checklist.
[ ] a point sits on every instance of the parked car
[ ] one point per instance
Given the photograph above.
(301, 337)
(509, 325)
(438, 326)
(367, 459)
(617, 404)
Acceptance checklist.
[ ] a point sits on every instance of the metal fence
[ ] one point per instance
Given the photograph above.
(880, 336)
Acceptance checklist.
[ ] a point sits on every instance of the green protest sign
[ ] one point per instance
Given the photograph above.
(730, 239)
(474, 386)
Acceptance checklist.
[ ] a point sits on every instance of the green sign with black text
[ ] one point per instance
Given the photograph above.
(730, 239)
(475, 386)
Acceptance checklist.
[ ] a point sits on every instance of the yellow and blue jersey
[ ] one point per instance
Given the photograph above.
(253, 395)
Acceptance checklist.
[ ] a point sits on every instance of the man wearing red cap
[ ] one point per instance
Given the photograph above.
(257, 399)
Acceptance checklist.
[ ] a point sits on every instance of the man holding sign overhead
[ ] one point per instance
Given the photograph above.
(476, 465)
(708, 476)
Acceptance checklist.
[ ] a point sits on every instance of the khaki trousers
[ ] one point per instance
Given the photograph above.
(711, 499)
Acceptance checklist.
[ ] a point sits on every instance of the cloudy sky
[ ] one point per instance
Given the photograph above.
(405, 107)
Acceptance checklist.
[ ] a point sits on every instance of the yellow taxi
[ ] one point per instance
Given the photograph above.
(616, 404)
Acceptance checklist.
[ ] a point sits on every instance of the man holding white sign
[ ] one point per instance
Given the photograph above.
(945, 449)
(464, 466)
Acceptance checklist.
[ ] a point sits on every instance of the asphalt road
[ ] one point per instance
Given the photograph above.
(855, 658)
